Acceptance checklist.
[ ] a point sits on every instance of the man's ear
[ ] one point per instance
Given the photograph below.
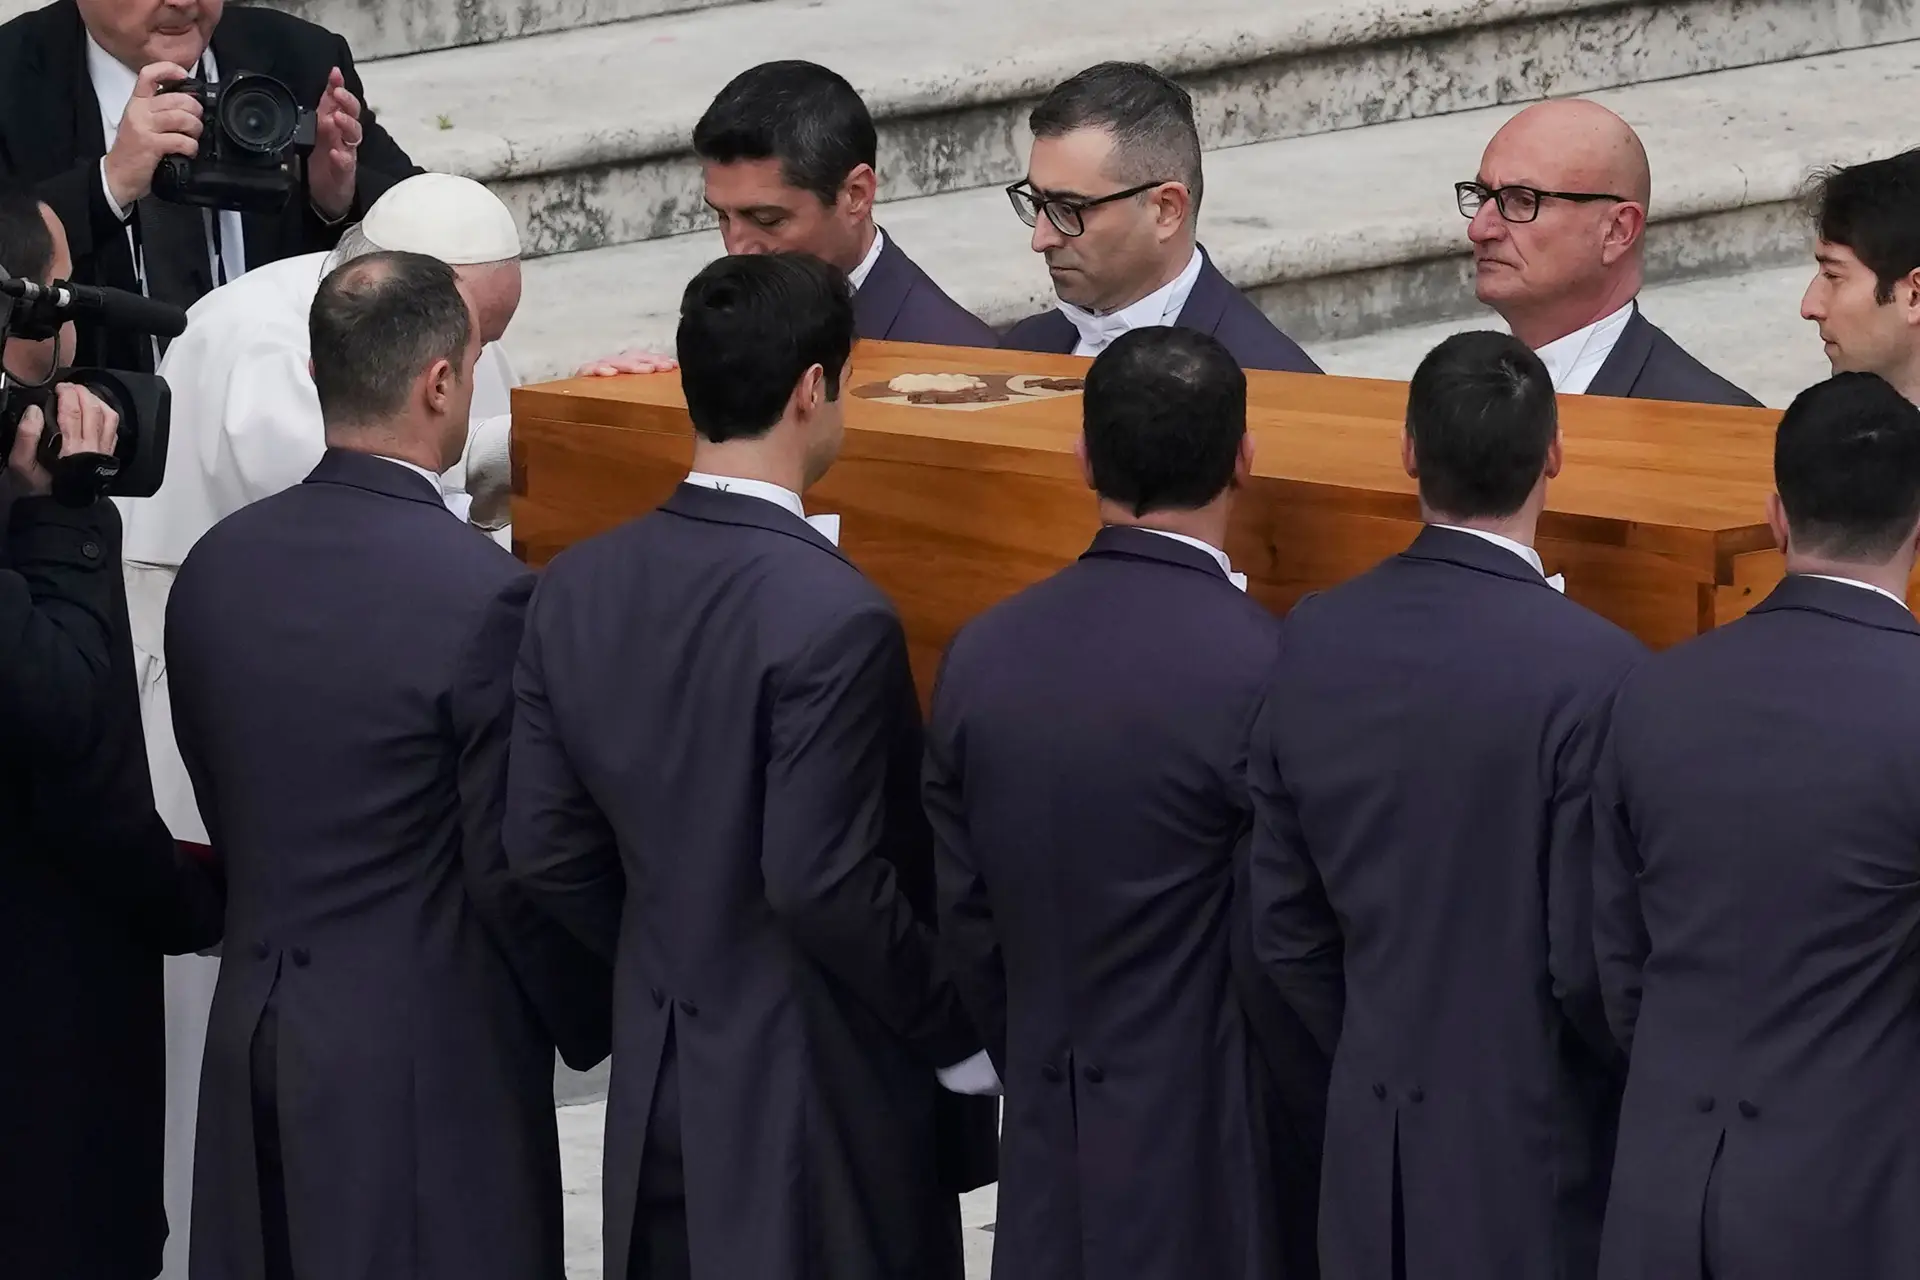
(1243, 462)
(1086, 463)
(1625, 228)
(1777, 522)
(859, 191)
(809, 393)
(1172, 206)
(1556, 457)
(1408, 459)
(438, 383)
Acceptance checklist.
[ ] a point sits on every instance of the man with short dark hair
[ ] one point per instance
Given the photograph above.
(85, 114)
(1112, 193)
(788, 152)
(1558, 221)
(1086, 762)
(1865, 296)
(376, 1097)
(714, 786)
(1758, 889)
(1421, 878)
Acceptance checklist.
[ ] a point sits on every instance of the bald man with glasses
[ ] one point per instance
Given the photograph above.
(1112, 193)
(1558, 220)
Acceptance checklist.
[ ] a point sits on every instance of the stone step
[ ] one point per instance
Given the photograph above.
(1745, 327)
(1339, 235)
(389, 28)
(586, 133)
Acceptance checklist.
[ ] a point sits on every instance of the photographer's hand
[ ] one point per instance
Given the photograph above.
(154, 126)
(24, 461)
(87, 425)
(333, 170)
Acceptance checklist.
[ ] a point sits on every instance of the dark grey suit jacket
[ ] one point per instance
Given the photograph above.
(714, 783)
(1086, 778)
(1421, 890)
(1646, 364)
(341, 656)
(1214, 307)
(900, 303)
(1758, 912)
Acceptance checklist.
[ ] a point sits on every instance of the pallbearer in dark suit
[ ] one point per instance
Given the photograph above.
(1112, 193)
(1758, 874)
(715, 784)
(1086, 778)
(377, 1094)
(1421, 883)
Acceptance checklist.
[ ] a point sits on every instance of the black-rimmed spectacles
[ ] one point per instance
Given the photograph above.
(1519, 204)
(1067, 216)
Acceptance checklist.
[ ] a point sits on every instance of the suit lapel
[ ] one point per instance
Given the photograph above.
(878, 302)
(697, 502)
(1207, 304)
(1628, 357)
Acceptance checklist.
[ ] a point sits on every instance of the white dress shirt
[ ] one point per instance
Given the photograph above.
(1855, 582)
(858, 276)
(827, 526)
(1558, 581)
(1226, 566)
(414, 467)
(113, 86)
(1575, 360)
(1161, 307)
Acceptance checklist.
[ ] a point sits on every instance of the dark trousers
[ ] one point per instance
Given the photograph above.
(659, 1247)
(264, 1058)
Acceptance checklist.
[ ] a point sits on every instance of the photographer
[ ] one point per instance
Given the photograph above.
(83, 116)
(93, 891)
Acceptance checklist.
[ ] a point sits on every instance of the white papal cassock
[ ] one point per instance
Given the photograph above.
(246, 424)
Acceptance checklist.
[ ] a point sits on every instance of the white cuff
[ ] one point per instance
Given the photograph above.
(106, 189)
(975, 1077)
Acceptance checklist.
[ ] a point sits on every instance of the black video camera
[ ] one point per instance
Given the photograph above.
(250, 149)
(143, 402)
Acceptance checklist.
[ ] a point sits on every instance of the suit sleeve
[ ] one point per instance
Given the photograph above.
(830, 736)
(56, 603)
(569, 986)
(1619, 927)
(1296, 937)
(1571, 962)
(559, 846)
(969, 942)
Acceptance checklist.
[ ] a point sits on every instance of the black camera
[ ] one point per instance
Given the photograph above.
(144, 403)
(251, 147)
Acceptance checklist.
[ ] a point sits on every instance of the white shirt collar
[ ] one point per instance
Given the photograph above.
(1575, 360)
(1855, 582)
(858, 276)
(1220, 557)
(114, 82)
(1558, 582)
(828, 526)
(1161, 307)
(418, 470)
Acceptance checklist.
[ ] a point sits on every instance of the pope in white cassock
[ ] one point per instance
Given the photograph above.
(246, 424)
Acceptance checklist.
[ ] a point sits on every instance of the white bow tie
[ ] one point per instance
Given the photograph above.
(1096, 332)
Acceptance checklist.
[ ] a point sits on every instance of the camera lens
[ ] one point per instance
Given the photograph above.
(258, 117)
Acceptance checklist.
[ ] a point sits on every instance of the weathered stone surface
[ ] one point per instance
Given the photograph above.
(1340, 235)
(586, 133)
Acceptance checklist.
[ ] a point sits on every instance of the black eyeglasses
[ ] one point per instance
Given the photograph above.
(1519, 204)
(1067, 216)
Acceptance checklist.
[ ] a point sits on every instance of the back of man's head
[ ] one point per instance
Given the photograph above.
(799, 113)
(1149, 116)
(1482, 418)
(1846, 461)
(1165, 412)
(750, 329)
(378, 324)
(26, 242)
(1874, 210)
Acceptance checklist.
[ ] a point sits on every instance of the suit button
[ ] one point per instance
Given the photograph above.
(689, 1008)
(1050, 1073)
(659, 996)
(91, 550)
(302, 957)
(1379, 1091)
(1703, 1105)
(1417, 1094)
(1748, 1110)
(1094, 1075)
(260, 951)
